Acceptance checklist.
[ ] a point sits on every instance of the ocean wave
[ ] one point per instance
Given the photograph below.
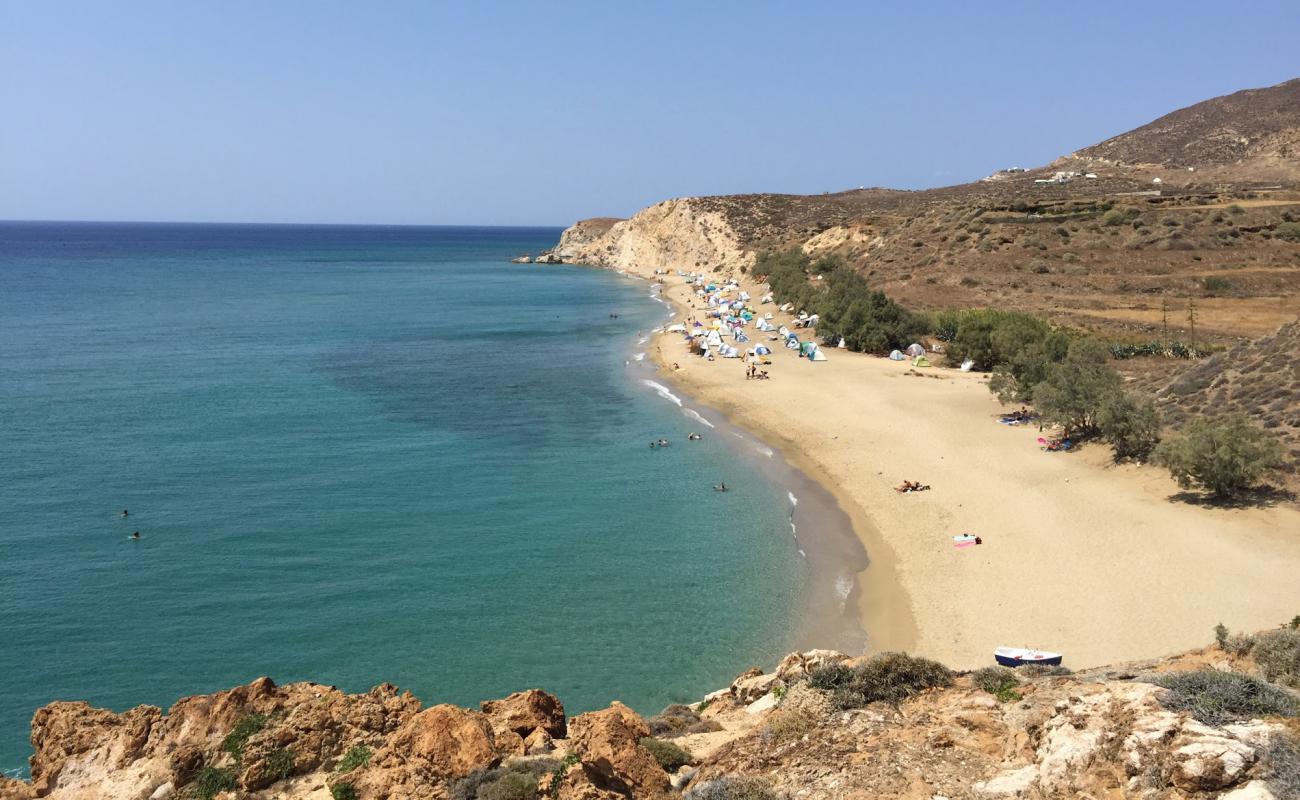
(844, 587)
(643, 340)
(638, 356)
(767, 451)
(662, 391)
(793, 530)
(695, 415)
(802, 554)
(794, 501)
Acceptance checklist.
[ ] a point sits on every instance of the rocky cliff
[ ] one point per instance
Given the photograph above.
(808, 729)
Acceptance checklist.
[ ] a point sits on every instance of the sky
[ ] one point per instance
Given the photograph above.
(529, 113)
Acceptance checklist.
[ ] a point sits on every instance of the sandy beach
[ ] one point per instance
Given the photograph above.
(1081, 556)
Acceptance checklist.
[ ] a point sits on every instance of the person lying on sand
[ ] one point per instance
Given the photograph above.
(911, 486)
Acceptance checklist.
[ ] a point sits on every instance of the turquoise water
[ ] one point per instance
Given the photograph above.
(355, 455)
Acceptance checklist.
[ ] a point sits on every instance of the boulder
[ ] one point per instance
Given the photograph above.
(799, 665)
(608, 742)
(524, 712)
(1211, 763)
(747, 690)
(430, 749)
(580, 782)
(538, 743)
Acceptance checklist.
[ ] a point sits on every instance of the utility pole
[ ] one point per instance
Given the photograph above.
(1191, 321)
(1164, 321)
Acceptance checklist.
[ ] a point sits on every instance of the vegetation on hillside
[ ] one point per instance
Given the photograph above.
(1223, 455)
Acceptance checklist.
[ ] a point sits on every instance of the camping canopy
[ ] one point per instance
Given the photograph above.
(915, 349)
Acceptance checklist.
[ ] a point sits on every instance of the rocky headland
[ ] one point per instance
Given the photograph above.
(821, 725)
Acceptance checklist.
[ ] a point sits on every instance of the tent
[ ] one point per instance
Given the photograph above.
(713, 339)
(817, 355)
(727, 351)
(897, 355)
(966, 365)
(676, 327)
(920, 361)
(915, 349)
(763, 350)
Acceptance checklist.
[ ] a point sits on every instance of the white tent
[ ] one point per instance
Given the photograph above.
(817, 355)
(713, 339)
(915, 349)
(966, 365)
(897, 355)
(676, 327)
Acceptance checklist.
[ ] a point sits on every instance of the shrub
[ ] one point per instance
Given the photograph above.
(1224, 455)
(1132, 427)
(1236, 209)
(1278, 655)
(998, 681)
(509, 786)
(514, 780)
(732, 788)
(280, 763)
(1288, 231)
(888, 677)
(210, 781)
(1075, 390)
(1114, 217)
(1040, 670)
(670, 756)
(245, 727)
(1217, 698)
(1216, 283)
(1281, 762)
(1236, 644)
(358, 755)
(785, 724)
(679, 720)
(343, 791)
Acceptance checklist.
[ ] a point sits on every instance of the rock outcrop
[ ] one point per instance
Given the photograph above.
(1104, 734)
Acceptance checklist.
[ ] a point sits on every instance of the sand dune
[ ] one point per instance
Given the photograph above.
(1079, 555)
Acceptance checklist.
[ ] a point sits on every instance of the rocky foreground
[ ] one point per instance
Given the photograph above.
(1105, 734)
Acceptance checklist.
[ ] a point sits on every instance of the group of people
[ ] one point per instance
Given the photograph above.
(912, 486)
(135, 534)
(753, 373)
(660, 443)
(1022, 416)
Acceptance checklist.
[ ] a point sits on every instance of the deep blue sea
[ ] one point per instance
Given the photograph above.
(356, 455)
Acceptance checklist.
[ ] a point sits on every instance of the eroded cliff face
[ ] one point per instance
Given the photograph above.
(1101, 735)
(678, 234)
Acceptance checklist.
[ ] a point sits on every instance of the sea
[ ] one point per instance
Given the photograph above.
(358, 455)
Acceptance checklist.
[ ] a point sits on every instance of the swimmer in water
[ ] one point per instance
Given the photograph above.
(135, 535)
(126, 513)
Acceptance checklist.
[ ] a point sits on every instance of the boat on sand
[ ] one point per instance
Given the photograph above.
(1019, 656)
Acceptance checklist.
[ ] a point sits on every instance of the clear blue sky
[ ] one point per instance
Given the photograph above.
(542, 113)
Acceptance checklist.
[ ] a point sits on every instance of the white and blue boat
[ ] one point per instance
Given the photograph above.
(1019, 656)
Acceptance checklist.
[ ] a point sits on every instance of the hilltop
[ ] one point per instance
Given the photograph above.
(1119, 237)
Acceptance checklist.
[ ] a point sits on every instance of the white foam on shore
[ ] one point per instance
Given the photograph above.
(802, 554)
(695, 415)
(767, 451)
(638, 356)
(794, 501)
(793, 530)
(662, 391)
(643, 340)
(844, 587)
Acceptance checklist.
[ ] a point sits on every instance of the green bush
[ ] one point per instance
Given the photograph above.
(1217, 698)
(1076, 389)
(1131, 426)
(846, 306)
(786, 724)
(358, 755)
(1000, 682)
(210, 781)
(1278, 655)
(514, 780)
(732, 788)
(343, 791)
(509, 786)
(1288, 231)
(1224, 455)
(888, 677)
(245, 727)
(669, 755)
(280, 763)
(1114, 217)
(1216, 283)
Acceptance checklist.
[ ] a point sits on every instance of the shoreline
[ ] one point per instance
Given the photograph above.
(1081, 556)
(881, 618)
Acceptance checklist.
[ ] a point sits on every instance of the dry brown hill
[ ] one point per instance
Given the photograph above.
(1254, 123)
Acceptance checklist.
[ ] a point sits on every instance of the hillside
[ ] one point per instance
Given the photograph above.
(819, 726)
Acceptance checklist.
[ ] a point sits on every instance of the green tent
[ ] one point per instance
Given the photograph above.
(920, 361)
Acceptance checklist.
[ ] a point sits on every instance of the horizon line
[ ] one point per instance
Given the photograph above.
(272, 224)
